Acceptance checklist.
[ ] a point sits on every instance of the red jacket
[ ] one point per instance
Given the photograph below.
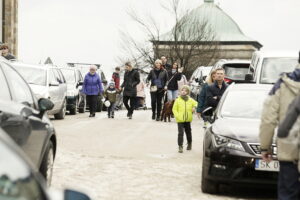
(116, 78)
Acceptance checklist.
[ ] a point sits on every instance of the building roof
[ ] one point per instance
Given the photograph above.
(223, 27)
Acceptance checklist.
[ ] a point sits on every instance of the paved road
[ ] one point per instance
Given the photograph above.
(121, 159)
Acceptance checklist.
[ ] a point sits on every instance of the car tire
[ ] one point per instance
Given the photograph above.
(74, 110)
(208, 186)
(62, 112)
(46, 168)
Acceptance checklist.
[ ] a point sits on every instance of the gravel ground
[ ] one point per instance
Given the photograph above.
(114, 159)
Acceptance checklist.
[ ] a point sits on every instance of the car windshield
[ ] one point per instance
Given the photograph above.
(69, 75)
(206, 71)
(36, 76)
(244, 104)
(273, 67)
(236, 71)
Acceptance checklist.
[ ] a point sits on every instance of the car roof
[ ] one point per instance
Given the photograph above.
(233, 61)
(248, 87)
(20, 64)
(291, 54)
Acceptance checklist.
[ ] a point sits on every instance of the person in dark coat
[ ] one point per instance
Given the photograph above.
(174, 75)
(131, 80)
(203, 94)
(92, 87)
(165, 64)
(5, 52)
(158, 77)
(216, 90)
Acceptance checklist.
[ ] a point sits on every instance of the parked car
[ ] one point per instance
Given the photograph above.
(231, 149)
(266, 67)
(198, 79)
(25, 119)
(19, 179)
(46, 81)
(75, 98)
(235, 70)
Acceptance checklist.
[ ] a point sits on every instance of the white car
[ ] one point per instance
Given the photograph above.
(197, 80)
(266, 67)
(46, 81)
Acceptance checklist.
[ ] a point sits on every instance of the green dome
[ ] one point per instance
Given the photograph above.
(223, 27)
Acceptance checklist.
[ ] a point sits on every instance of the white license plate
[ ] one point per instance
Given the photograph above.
(272, 166)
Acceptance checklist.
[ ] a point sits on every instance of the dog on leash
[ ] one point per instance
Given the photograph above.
(167, 111)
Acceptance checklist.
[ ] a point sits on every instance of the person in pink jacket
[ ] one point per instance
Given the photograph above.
(140, 97)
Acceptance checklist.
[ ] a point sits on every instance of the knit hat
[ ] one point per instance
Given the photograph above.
(187, 88)
(112, 84)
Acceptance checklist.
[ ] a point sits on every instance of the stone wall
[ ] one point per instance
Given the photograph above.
(10, 24)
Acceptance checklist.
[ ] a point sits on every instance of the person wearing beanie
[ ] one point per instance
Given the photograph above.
(183, 110)
(276, 112)
(110, 95)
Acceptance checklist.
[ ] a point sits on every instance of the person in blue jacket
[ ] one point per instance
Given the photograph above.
(92, 87)
(202, 96)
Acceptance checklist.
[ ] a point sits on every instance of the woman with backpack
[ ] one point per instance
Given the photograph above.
(158, 77)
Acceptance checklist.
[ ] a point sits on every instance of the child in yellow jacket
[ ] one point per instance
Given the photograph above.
(183, 110)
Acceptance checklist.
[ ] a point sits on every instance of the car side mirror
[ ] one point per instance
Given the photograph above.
(249, 77)
(80, 83)
(208, 115)
(45, 105)
(197, 80)
(74, 195)
(54, 83)
(251, 69)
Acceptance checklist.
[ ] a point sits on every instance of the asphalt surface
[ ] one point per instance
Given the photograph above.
(134, 159)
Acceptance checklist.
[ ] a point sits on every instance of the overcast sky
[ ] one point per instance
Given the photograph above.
(89, 31)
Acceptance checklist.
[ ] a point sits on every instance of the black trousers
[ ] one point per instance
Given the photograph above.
(288, 181)
(132, 102)
(184, 127)
(156, 101)
(92, 102)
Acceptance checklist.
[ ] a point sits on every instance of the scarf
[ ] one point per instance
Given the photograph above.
(185, 97)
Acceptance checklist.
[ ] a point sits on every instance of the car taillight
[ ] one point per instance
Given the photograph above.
(227, 80)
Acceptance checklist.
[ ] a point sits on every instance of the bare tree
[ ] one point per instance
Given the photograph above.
(191, 43)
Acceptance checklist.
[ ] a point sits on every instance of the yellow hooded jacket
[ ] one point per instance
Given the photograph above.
(183, 110)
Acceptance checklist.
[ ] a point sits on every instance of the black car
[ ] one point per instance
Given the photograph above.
(20, 180)
(25, 120)
(75, 97)
(231, 148)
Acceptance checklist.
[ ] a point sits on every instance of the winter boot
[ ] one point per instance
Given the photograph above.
(158, 117)
(180, 149)
(189, 147)
(153, 116)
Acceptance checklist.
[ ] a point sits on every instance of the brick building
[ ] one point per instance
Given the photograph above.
(9, 28)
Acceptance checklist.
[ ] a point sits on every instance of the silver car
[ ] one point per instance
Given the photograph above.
(46, 81)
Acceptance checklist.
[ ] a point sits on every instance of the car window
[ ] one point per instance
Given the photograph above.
(5, 93)
(19, 88)
(244, 104)
(39, 77)
(57, 76)
(61, 76)
(51, 77)
(273, 67)
(17, 182)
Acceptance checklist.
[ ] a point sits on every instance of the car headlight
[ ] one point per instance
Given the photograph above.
(227, 142)
(71, 93)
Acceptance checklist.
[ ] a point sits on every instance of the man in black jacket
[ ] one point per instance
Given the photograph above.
(165, 64)
(131, 80)
(216, 90)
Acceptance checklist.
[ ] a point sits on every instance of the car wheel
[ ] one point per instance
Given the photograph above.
(208, 186)
(62, 112)
(74, 110)
(46, 168)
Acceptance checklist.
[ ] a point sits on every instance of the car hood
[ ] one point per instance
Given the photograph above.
(245, 130)
(40, 91)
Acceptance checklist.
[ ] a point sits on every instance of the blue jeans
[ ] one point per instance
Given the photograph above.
(172, 94)
(288, 181)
